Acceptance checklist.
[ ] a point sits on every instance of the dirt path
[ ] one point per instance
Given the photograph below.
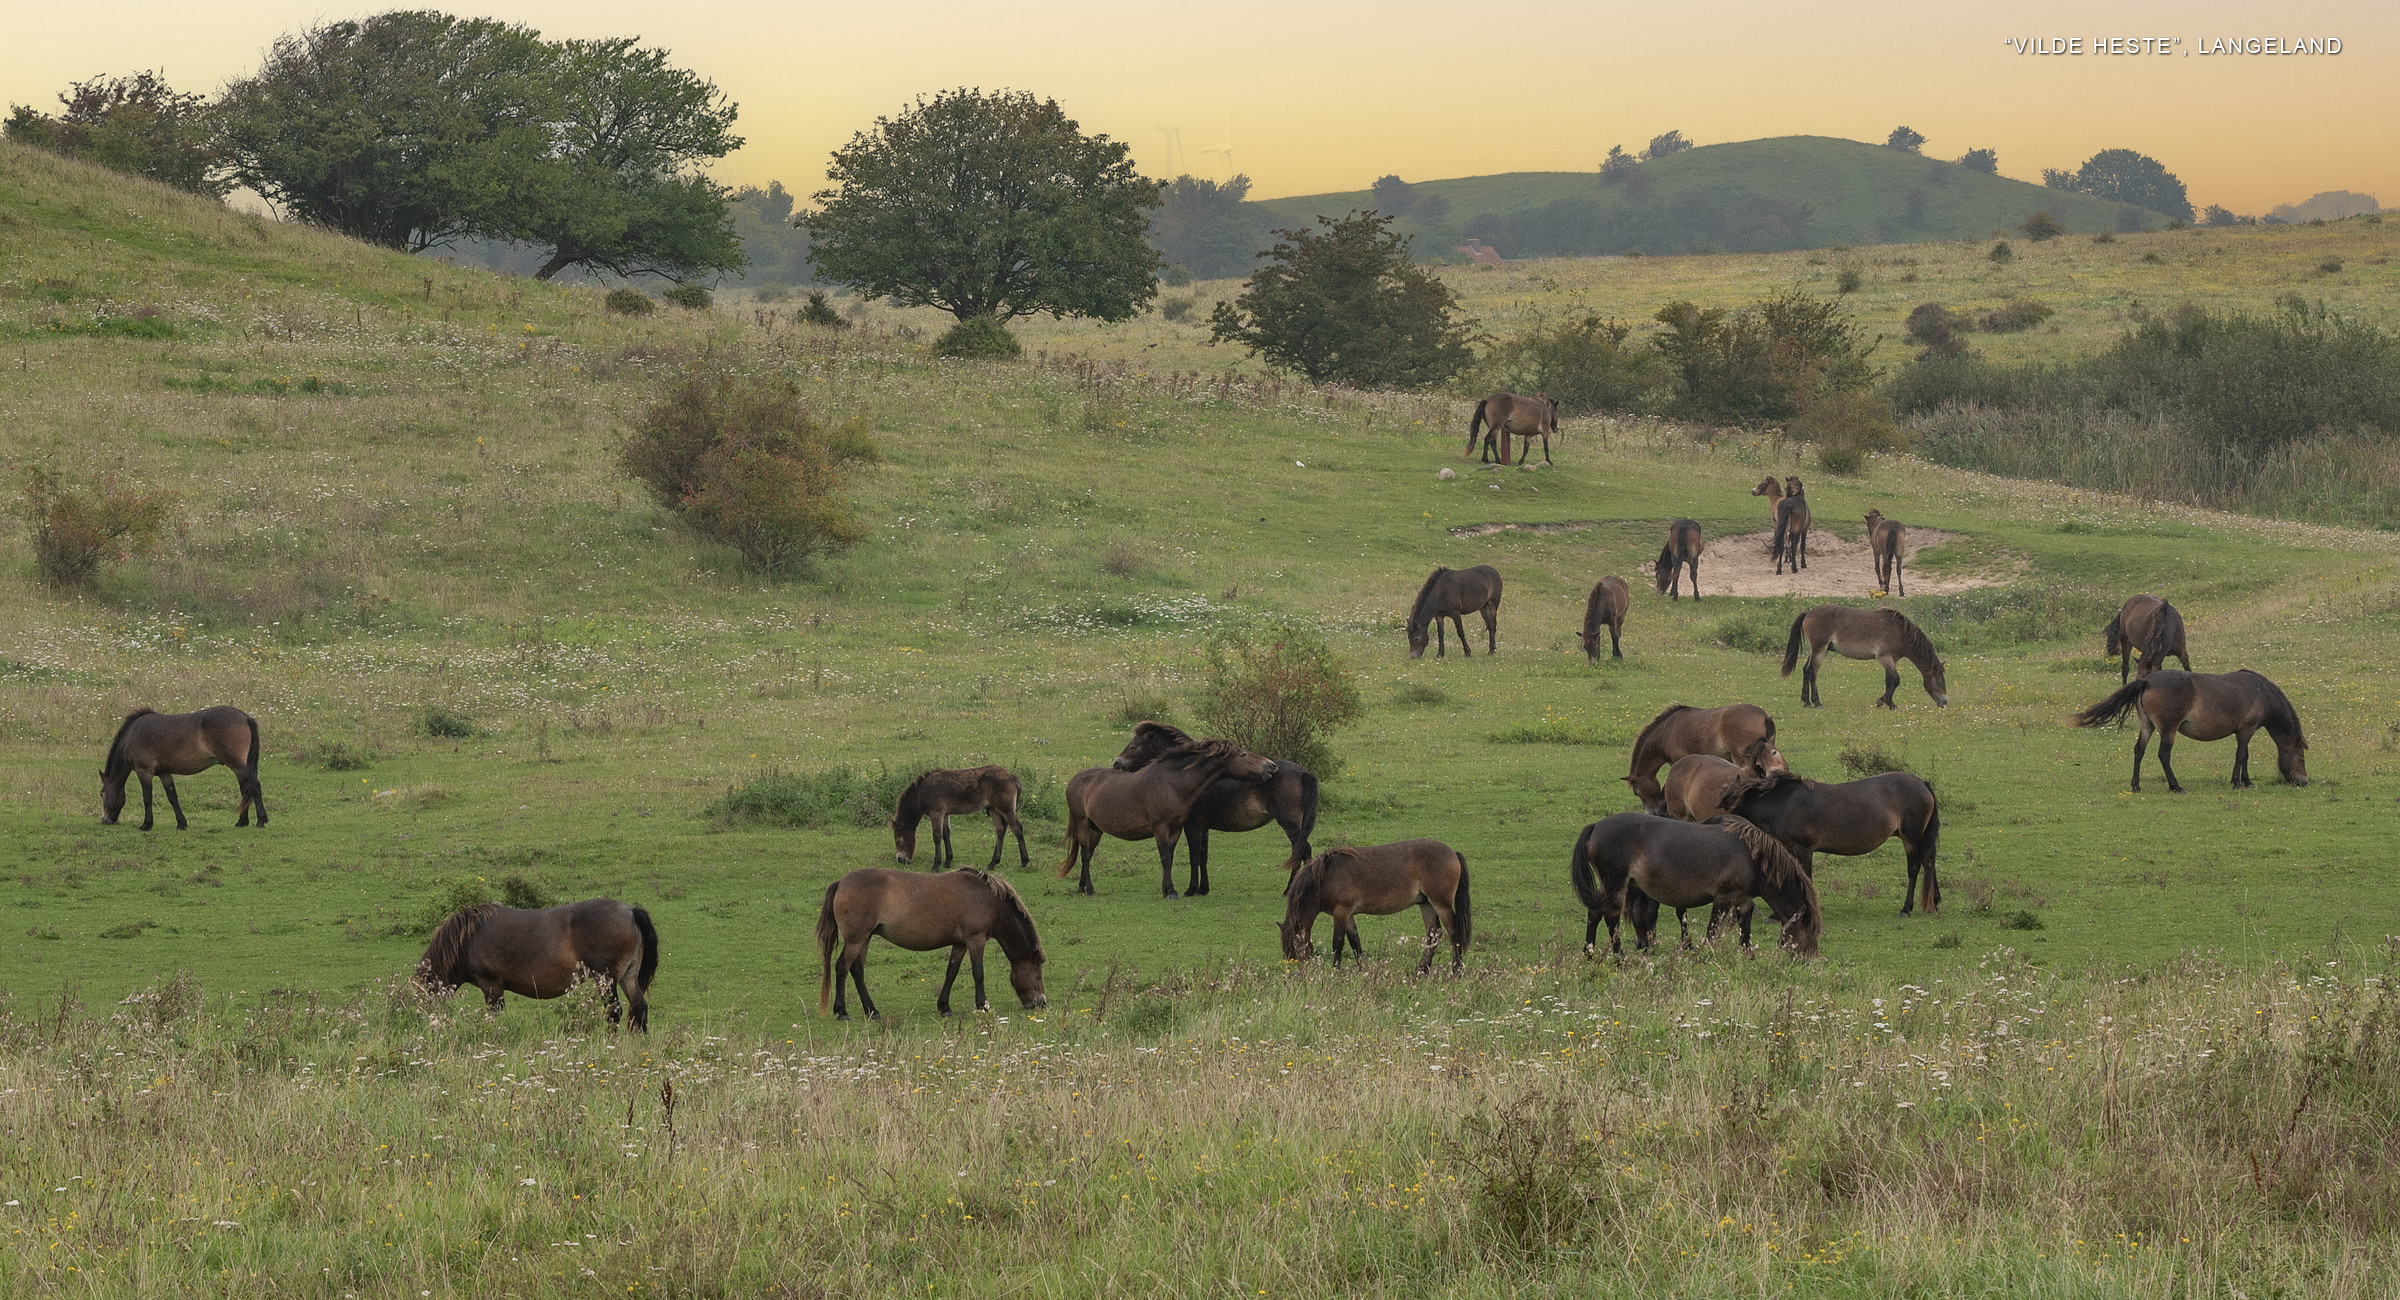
(1743, 565)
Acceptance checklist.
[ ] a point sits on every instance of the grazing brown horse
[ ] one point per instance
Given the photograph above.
(1682, 551)
(1636, 862)
(942, 792)
(2207, 706)
(1509, 413)
(1887, 543)
(1452, 594)
(1288, 799)
(1379, 881)
(922, 911)
(1772, 490)
(1608, 604)
(169, 745)
(2151, 627)
(1791, 528)
(1847, 818)
(1742, 733)
(539, 953)
(1152, 803)
(1884, 635)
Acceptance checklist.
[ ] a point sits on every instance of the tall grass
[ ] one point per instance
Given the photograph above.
(1691, 1126)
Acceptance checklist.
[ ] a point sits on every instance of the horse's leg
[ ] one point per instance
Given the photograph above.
(241, 810)
(1616, 629)
(1024, 859)
(1086, 847)
(975, 964)
(1491, 629)
(2141, 742)
(942, 855)
(1891, 681)
(1683, 927)
(958, 954)
(2241, 760)
(173, 801)
(1433, 933)
(1000, 838)
(858, 975)
(1167, 836)
(608, 998)
(2166, 758)
(1441, 638)
(1545, 447)
(1695, 562)
(1358, 951)
(1809, 698)
(257, 792)
(1465, 647)
(1743, 914)
(1196, 881)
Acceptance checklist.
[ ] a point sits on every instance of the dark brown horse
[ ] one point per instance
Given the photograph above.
(1742, 733)
(169, 745)
(1682, 551)
(2151, 627)
(2207, 706)
(540, 952)
(921, 911)
(1636, 862)
(1887, 544)
(1379, 881)
(1508, 413)
(1608, 604)
(1452, 594)
(1884, 635)
(1847, 819)
(1772, 489)
(943, 792)
(1288, 799)
(1152, 803)
(1791, 528)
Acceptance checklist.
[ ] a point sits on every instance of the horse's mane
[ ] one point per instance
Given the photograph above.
(1655, 723)
(1310, 877)
(1782, 870)
(1013, 905)
(1747, 784)
(905, 809)
(1915, 646)
(1591, 608)
(1174, 736)
(1425, 595)
(441, 955)
(2279, 710)
(116, 746)
(1193, 751)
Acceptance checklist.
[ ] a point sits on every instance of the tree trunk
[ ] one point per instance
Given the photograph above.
(558, 262)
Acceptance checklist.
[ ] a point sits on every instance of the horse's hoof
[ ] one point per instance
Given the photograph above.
(1169, 893)
(841, 1015)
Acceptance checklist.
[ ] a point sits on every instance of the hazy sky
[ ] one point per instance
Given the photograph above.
(1318, 96)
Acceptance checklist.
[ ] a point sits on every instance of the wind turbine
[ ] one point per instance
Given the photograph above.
(1177, 159)
(1225, 148)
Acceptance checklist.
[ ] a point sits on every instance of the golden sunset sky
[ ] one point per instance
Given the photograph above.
(1317, 96)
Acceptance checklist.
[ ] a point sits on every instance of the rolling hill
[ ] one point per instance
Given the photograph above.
(1775, 195)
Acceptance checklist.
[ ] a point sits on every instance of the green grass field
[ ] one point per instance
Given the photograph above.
(437, 522)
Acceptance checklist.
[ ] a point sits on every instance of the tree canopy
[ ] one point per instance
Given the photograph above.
(1663, 145)
(1904, 139)
(1344, 302)
(1205, 228)
(1981, 160)
(988, 206)
(2127, 177)
(137, 124)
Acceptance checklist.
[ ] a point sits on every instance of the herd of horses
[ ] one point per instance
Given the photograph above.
(1730, 824)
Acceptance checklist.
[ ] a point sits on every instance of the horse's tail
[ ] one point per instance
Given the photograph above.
(1308, 818)
(253, 759)
(2115, 706)
(1932, 849)
(641, 922)
(1791, 647)
(1783, 520)
(828, 930)
(1462, 915)
(1475, 425)
(1579, 869)
(2115, 632)
(2166, 636)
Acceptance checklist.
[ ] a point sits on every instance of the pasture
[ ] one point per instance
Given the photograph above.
(475, 650)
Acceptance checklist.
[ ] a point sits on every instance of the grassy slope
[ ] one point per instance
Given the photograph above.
(1856, 194)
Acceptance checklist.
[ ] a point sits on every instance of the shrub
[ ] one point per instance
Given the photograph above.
(1938, 330)
(2001, 253)
(1981, 160)
(1765, 362)
(2015, 315)
(1281, 695)
(1904, 139)
(1847, 426)
(837, 796)
(1582, 364)
(744, 463)
(1175, 277)
(2105, 237)
(1848, 280)
(2217, 214)
(1758, 629)
(693, 296)
(1177, 309)
(1425, 693)
(2330, 265)
(2022, 920)
(79, 531)
(979, 338)
(520, 890)
(1529, 1175)
(2041, 226)
(625, 300)
(819, 311)
(1862, 761)
(1345, 302)
(339, 756)
(443, 724)
(449, 899)
(772, 291)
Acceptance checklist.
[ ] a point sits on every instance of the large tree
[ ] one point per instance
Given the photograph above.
(2127, 177)
(405, 129)
(620, 188)
(990, 207)
(1206, 228)
(136, 124)
(1344, 302)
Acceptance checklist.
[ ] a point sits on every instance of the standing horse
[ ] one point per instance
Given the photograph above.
(1288, 799)
(958, 910)
(1742, 733)
(1847, 818)
(1697, 783)
(169, 745)
(2207, 706)
(1509, 413)
(539, 953)
(1609, 602)
(2153, 628)
(942, 792)
(1772, 490)
(1723, 863)
(1152, 803)
(1379, 881)
(1452, 594)
(1682, 551)
(1887, 544)
(1791, 529)
(1884, 635)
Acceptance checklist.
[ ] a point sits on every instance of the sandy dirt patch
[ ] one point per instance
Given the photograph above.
(1744, 565)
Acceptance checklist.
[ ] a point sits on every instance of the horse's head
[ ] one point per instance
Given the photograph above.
(2291, 759)
(1665, 568)
(112, 796)
(1800, 933)
(1653, 795)
(1767, 487)
(1025, 976)
(1791, 486)
(1150, 739)
(1763, 758)
(1874, 517)
(1420, 635)
(1591, 642)
(1247, 766)
(904, 841)
(1299, 944)
(1937, 684)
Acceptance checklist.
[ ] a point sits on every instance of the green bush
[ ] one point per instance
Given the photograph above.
(1177, 309)
(1583, 364)
(77, 531)
(2023, 921)
(520, 890)
(2015, 315)
(449, 899)
(1938, 329)
(836, 796)
(1346, 303)
(442, 724)
(1175, 276)
(1765, 362)
(2002, 253)
(696, 297)
(1865, 760)
(979, 338)
(1847, 280)
(1281, 694)
(340, 756)
(743, 462)
(2041, 227)
(1845, 427)
(1758, 628)
(625, 300)
(819, 311)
